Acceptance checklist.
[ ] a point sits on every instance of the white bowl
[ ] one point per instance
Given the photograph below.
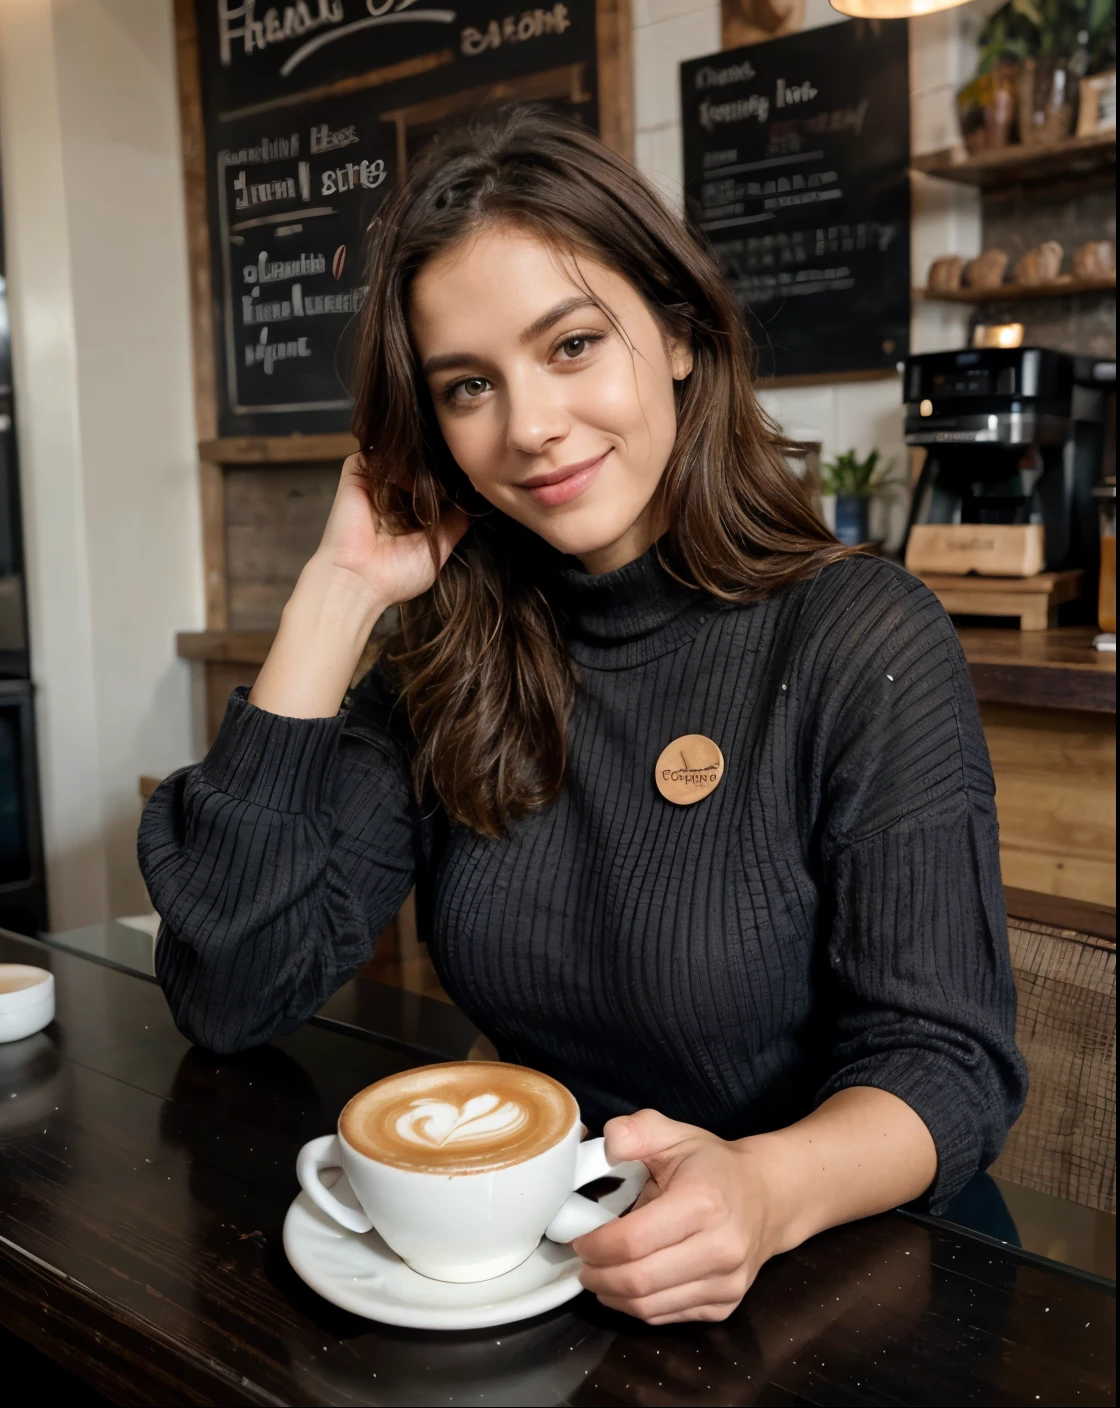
(28, 1005)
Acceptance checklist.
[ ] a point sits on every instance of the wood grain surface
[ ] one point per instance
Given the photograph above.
(1067, 287)
(1054, 669)
(1097, 921)
(1055, 774)
(143, 1185)
(1034, 600)
(994, 550)
(1076, 157)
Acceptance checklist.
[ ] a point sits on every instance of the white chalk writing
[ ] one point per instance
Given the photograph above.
(275, 25)
(369, 174)
(324, 140)
(299, 305)
(266, 271)
(515, 29)
(708, 77)
(738, 110)
(261, 192)
(265, 353)
(267, 149)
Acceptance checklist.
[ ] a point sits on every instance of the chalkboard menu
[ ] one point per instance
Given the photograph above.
(795, 158)
(312, 112)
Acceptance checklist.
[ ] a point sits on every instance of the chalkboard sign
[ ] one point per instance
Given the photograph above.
(311, 113)
(795, 158)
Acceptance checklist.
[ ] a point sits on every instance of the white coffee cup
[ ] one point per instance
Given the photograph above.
(466, 1226)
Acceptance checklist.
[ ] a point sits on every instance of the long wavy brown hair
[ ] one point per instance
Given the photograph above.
(480, 660)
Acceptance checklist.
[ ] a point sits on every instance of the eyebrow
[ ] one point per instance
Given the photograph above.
(447, 361)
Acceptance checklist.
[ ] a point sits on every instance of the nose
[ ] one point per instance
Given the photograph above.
(537, 415)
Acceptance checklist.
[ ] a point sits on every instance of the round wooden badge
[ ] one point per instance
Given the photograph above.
(689, 769)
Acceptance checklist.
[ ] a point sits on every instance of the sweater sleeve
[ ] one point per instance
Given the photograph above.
(275, 863)
(918, 965)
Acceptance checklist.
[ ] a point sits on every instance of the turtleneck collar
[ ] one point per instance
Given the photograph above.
(623, 618)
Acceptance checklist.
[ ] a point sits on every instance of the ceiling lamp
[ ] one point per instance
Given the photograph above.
(892, 9)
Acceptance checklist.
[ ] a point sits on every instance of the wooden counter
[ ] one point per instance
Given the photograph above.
(1056, 669)
(1048, 701)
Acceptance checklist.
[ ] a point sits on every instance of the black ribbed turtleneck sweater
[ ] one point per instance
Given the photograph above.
(830, 916)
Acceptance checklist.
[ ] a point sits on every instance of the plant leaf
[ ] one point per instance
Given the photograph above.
(1029, 10)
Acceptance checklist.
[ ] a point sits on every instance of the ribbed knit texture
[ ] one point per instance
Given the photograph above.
(830, 916)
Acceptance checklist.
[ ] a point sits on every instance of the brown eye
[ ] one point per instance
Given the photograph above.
(574, 347)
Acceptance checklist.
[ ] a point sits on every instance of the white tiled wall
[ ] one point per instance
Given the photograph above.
(859, 415)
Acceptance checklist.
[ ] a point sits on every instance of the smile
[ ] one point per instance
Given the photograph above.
(563, 485)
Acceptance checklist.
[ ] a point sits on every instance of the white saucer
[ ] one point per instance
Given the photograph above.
(358, 1272)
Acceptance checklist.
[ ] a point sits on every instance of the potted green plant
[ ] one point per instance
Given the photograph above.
(854, 482)
(1044, 48)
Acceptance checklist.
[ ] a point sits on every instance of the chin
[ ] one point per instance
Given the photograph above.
(584, 532)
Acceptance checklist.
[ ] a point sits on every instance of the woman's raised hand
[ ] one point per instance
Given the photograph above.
(358, 570)
(387, 568)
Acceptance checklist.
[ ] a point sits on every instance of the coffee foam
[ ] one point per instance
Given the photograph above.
(463, 1117)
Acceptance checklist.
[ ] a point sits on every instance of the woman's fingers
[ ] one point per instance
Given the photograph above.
(713, 1298)
(647, 1195)
(355, 467)
(698, 1257)
(662, 1222)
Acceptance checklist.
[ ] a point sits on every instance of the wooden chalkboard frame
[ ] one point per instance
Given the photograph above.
(614, 54)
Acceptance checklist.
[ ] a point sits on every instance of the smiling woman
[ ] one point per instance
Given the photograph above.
(588, 375)
(696, 800)
(563, 385)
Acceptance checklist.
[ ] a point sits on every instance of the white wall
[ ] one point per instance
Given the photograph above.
(860, 415)
(97, 276)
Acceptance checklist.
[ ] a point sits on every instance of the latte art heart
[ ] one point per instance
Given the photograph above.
(484, 1118)
(459, 1117)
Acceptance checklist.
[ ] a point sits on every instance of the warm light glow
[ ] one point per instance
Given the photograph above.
(892, 9)
(998, 335)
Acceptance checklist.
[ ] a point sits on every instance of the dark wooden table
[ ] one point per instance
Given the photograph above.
(143, 1185)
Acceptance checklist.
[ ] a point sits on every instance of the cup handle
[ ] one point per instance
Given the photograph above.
(580, 1215)
(338, 1201)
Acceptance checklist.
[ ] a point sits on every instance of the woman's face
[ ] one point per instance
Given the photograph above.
(561, 418)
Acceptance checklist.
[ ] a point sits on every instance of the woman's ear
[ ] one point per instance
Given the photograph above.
(680, 356)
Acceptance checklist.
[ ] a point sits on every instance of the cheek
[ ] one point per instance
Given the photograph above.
(471, 438)
(634, 398)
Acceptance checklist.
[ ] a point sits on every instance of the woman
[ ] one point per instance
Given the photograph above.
(800, 981)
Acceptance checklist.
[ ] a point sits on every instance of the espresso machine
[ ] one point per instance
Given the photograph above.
(1015, 441)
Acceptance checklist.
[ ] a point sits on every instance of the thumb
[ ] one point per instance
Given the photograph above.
(645, 1135)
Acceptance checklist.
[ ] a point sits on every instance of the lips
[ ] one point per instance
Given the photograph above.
(564, 484)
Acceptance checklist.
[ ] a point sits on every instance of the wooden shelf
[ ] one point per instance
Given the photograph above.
(225, 647)
(1002, 293)
(1075, 158)
(1034, 600)
(277, 449)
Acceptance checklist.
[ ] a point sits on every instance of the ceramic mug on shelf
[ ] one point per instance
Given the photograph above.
(463, 1167)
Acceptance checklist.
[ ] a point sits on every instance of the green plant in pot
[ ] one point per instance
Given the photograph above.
(854, 482)
(1043, 48)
